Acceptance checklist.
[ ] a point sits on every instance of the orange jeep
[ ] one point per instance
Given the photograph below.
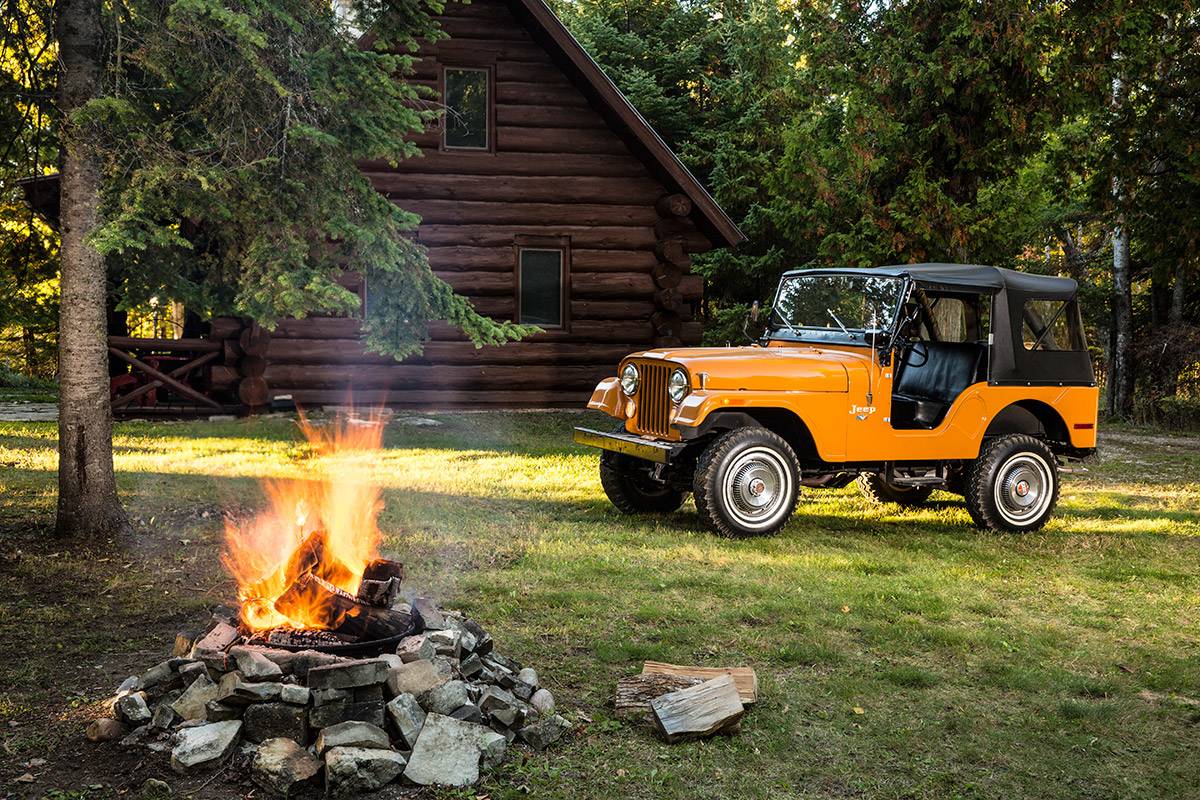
(971, 379)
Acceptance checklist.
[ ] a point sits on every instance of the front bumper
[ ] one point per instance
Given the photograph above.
(630, 445)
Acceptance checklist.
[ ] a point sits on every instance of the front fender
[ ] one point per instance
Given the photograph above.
(607, 397)
(829, 438)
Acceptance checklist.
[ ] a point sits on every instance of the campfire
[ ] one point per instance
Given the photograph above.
(324, 670)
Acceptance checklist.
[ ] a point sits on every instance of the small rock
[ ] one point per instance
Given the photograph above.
(281, 765)
(296, 695)
(407, 717)
(192, 671)
(154, 789)
(132, 708)
(275, 721)
(234, 691)
(429, 613)
(391, 659)
(131, 684)
(163, 718)
(204, 744)
(446, 698)
(497, 699)
(528, 675)
(510, 719)
(351, 734)
(448, 752)
(254, 666)
(471, 666)
(322, 697)
(544, 733)
(447, 642)
(522, 690)
(104, 729)
(353, 770)
(333, 713)
(466, 639)
(158, 676)
(216, 711)
(348, 674)
(416, 648)
(542, 702)
(492, 746)
(483, 639)
(418, 677)
(367, 694)
(193, 703)
(468, 713)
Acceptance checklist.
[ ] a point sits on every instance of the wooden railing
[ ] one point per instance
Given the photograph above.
(171, 376)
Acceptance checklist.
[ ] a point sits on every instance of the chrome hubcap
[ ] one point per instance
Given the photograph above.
(757, 487)
(1024, 488)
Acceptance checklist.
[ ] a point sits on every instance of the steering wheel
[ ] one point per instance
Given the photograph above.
(917, 348)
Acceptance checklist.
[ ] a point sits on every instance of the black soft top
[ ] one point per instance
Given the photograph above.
(971, 277)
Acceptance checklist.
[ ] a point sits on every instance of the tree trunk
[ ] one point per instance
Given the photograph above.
(87, 490)
(1178, 296)
(1120, 374)
(1120, 377)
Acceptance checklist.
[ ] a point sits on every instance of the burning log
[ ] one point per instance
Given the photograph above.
(329, 608)
(381, 582)
(311, 556)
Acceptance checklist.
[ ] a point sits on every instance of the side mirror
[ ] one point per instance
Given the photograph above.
(754, 309)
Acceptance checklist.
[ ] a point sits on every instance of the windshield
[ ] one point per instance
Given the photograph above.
(836, 306)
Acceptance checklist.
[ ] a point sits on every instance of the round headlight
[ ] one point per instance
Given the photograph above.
(629, 380)
(677, 385)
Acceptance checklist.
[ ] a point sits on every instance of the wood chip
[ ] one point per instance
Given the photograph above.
(743, 677)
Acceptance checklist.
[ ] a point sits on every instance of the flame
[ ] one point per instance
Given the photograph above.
(331, 517)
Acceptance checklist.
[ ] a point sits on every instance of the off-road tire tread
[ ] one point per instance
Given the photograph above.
(979, 478)
(625, 496)
(878, 491)
(706, 475)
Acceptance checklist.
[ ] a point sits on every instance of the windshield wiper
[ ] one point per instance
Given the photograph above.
(777, 315)
(845, 330)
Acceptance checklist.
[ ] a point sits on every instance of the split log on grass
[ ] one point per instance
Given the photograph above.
(326, 607)
(635, 692)
(743, 677)
(698, 711)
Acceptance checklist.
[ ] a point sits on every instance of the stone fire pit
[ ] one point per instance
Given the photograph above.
(440, 708)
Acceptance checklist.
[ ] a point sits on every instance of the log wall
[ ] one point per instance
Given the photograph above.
(557, 170)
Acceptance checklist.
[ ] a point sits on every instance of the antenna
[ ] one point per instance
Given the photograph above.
(871, 360)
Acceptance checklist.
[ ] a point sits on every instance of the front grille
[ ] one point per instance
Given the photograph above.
(653, 405)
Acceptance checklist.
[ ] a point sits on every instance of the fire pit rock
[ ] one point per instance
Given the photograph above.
(437, 707)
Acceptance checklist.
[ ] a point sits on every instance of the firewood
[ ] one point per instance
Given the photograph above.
(743, 677)
(381, 594)
(635, 692)
(380, 569)
(310, 556)
(698, 711)
(340, 612)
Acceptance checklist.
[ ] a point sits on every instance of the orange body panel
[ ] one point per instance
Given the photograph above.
(844, 398)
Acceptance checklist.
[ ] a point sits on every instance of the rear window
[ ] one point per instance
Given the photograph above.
(1051, 325)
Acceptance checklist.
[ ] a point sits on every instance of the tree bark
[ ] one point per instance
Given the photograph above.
(1120, 374)
(87, 492)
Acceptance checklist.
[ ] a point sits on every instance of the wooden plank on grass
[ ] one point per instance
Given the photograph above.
(743, 677)
(698, 711)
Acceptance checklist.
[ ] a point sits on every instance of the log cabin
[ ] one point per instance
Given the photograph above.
(544, 197)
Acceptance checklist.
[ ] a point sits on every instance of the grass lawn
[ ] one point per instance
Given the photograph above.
(900, 654)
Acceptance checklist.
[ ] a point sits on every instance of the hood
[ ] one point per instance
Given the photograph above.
(804, 368)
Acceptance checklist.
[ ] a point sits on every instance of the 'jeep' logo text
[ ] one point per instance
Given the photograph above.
(862, 409)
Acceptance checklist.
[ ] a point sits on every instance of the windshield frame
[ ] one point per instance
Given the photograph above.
(858, 337)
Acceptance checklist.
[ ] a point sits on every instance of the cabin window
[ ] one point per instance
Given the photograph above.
(541, 286)
(1051, 325)
(466, 93)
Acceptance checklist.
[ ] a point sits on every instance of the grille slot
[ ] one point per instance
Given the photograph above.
(653, 405)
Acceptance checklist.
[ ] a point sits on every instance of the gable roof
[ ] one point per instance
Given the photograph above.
(566, 51)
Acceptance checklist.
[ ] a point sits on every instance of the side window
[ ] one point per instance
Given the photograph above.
(950, 319)
(1051, 325)
(466, 93)
(541, 286)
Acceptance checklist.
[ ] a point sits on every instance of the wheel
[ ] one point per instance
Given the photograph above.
(631, 489)
(747, 482)
(1013, 485)
(880, 491)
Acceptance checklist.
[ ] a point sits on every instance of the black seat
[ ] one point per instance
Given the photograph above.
(925, 389)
